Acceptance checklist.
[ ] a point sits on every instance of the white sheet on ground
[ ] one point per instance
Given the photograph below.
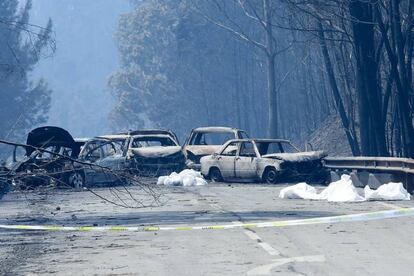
(344, 190)
(300, 190)
(184, 178)
(390, 191)
(339, 191)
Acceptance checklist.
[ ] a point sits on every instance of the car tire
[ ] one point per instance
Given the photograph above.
(76, 180)
(215, 175)
(270, 176)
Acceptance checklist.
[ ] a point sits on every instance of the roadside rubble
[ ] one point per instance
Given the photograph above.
(187, 177)
(344, 190)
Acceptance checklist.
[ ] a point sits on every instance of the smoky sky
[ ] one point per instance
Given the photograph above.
(85, 57)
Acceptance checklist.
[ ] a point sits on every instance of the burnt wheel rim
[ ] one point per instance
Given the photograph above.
(271, 176)
(76, 180)
(215, 175)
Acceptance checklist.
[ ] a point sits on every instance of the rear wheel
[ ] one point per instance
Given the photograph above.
(76, 180)
(215, 175)
(270, 176)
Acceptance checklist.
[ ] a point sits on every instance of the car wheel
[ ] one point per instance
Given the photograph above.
(270, 176)
(215, 175)
(76, 180)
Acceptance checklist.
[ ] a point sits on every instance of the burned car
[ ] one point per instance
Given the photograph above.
(48, 159)
(267, 160)
(204, 141)
(142, 152)
(105, 154)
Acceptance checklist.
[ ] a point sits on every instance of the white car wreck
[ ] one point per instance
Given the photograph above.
(204, 141)
(267, 160)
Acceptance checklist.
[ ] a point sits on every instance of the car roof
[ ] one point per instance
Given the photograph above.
(149, 132)
(215, 129)
(82, 139)
(260, 140)
(157, 131)
(113, 136)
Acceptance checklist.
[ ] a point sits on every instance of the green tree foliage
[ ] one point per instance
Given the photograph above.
(24, 104)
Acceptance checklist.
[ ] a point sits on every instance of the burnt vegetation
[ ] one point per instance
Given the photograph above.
(275, 68)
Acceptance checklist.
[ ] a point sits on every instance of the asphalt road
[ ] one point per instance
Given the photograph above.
(384, 247)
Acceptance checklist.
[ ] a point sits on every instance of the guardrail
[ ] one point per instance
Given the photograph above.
(401, 168)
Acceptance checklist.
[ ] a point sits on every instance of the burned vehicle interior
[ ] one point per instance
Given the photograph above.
(215, 137)
(100, 148)
(155, 154)
(272, 147)
(152, 141)
(144, 153)
(49, 150)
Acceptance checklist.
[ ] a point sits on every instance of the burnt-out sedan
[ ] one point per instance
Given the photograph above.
(143, 152)
(267, 160)
(204, 141)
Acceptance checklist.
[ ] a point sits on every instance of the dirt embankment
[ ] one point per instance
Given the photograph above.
(331, 137)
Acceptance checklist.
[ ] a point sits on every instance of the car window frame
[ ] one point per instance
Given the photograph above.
(237, 150)
(254, 149)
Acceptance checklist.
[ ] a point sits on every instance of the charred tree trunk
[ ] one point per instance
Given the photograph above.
(271, 77)
(398, 72)
(372, 127)
(336, 95)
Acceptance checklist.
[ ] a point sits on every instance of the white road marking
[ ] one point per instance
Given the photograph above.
(269, 249)
(266, 269)
(266, 247)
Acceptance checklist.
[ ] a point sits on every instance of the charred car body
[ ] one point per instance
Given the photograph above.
(49, 158)
(267, 160)
(143, 152)
(204, 141)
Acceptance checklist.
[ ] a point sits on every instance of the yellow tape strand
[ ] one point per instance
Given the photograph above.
(403, 212)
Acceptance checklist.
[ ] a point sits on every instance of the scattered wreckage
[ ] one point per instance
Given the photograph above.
(267, 160)
(204, 141)
(52, 156)
(49, 156)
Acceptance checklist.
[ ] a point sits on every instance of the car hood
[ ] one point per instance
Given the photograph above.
(297, 157)
(152, 152)
(203, 150)
(47, 136)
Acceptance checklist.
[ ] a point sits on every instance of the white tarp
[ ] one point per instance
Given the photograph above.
(344, 190)
(299, 191)
(184, 178)
(390, 191)
(339, 191)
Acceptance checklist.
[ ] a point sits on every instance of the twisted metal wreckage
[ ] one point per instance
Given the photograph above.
(51, 157)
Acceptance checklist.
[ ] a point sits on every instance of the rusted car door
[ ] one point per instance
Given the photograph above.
(226, 160)
(246, 161)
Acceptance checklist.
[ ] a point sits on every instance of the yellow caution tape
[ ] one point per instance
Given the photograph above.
(403, 212)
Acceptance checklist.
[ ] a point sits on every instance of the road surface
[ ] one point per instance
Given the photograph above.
(383, 247)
